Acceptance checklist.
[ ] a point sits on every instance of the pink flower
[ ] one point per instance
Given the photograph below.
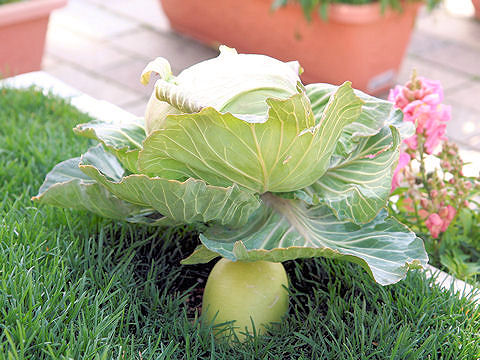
(433, 91)
(435, 133)
(434, 224)
(420, 100)
(411, 142)
(417, 112)
(429, 91)
(443, 212)
(422, 213)
(444, 112)
(451, 212)
(403, 161)
(437, 223)
(396, 96)
(424, 203)
(449, 215)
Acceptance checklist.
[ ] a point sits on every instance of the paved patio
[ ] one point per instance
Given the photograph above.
(100, 47)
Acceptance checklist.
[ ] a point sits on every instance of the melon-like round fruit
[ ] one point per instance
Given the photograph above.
(242, 291)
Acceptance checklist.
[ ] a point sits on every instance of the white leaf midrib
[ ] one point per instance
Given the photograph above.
(285, 208)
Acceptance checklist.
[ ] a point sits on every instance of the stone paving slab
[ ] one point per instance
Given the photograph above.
(102, 45)
(451, 79)
(457, 57)
(180, 51)
(422, 43)
(127, 74)
(146, 12)
(90, 54)
(464, 128)
(468, 96)
(444, 25)
(91, 20)
(94, 85)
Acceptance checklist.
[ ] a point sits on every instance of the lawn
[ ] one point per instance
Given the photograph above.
(75, 286)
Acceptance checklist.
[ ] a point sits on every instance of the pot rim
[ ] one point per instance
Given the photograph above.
(26, 10)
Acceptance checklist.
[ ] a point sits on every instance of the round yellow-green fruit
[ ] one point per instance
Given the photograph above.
(242, 291)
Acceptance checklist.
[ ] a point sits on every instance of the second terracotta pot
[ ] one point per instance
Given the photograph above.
(357, 43)
(476, 5)
(23, 27)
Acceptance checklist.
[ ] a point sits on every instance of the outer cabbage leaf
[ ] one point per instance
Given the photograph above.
(376, 113)
(190, 201)
(122, 137)
(357, 187)
(67, 186)
(287, 229)
(285, 153)
(157, 110)
(159, 66)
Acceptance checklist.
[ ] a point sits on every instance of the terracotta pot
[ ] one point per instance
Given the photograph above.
(357, 43)
(476, 5)
(23, 26)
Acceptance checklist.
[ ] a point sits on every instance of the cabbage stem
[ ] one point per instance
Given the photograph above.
(244, 292)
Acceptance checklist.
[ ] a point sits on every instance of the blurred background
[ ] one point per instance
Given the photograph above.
(101, 46)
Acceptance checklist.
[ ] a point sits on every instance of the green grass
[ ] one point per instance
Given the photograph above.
(74, 286)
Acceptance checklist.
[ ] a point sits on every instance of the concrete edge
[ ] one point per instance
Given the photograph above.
(98, 109)
(456, 286)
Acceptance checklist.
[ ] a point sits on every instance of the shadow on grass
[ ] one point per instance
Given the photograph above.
(335, 308)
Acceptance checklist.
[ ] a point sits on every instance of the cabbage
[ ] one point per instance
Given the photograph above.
(270, 170)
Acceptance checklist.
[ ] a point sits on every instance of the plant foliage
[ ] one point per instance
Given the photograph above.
(309, 6)
(2, 2)
(440, 204)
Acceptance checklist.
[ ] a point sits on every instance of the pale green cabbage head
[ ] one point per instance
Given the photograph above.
(236, 83)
